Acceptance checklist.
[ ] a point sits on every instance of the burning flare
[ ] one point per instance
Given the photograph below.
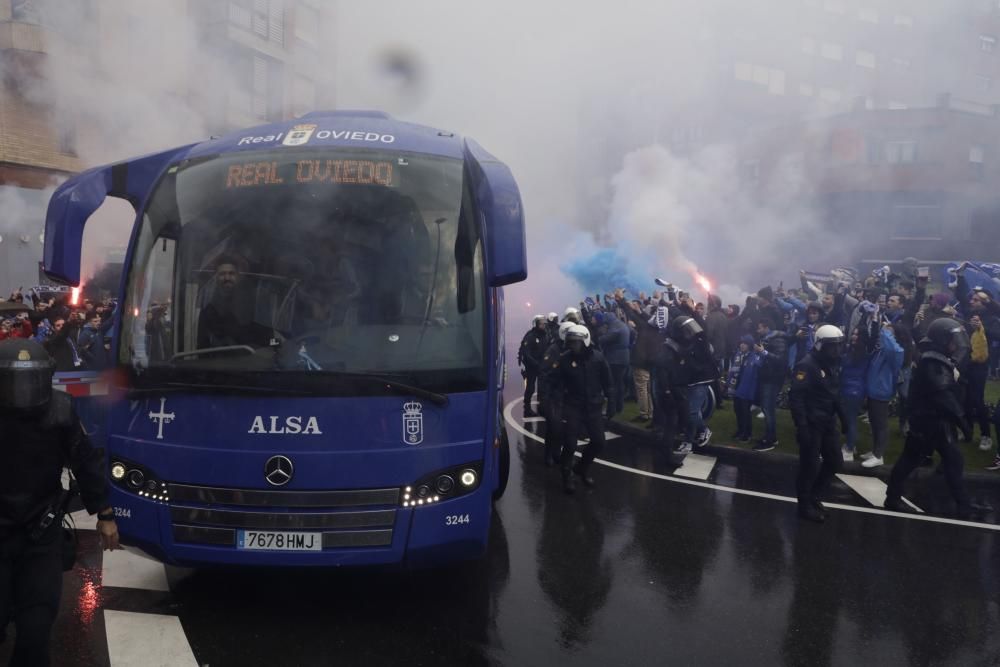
(74, 298)
(703, 282)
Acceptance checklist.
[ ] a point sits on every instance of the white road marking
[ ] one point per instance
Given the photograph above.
(871, 489)
(130, 568)
(509, 417)
(151, 640)
(696, 466)
(533, 420)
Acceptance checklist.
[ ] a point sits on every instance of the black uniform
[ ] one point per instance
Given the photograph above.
(36, 446)
(936, 414)
(551, 410)
(530, 356)
(813, 399)
(580, 384)
(670, 394)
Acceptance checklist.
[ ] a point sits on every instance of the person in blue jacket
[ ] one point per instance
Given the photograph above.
(880, 386)
(614, 342)
(742, 385)
(853, 379)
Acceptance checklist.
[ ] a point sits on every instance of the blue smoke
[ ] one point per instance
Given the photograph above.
(609, 268)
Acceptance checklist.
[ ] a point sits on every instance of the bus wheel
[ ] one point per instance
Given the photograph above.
(503, 473)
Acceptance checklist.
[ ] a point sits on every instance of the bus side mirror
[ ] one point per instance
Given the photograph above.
(75, 201)
(499, 201)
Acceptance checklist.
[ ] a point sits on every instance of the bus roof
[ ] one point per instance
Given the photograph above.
(354, 129)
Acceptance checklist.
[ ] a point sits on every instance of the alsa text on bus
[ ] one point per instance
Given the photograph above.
(291, 426)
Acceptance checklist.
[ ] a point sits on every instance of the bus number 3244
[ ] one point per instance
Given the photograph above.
(455, 519)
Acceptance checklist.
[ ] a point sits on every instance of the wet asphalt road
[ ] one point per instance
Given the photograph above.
(639, 571)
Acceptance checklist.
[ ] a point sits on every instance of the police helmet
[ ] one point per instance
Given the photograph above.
(536, 319)
(25, 374)
(947, 336)
(572, 315)
(552, 317)
(563, 328)
(828, 335)
(578, 332)
(685, 329)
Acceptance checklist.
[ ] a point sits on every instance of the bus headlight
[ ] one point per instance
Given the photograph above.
(442, 485)
(117, 471)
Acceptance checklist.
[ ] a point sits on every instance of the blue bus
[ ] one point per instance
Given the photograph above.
(309, 344)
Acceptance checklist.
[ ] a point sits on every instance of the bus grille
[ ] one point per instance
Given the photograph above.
(212, 516)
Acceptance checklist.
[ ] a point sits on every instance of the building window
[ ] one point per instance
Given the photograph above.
(916, 222)
(865, 59)
(987, 44)
(307, 24)
(806, 90)
(868, 15)
(265, 18)
(903, 21)
(259, 104)
(26, 11)
(833, 52)
(983, 83)
(977, 155)
(773, 79)
(67, 140)
(900, 152)
(809, 46)
(303, 95)
(830, 95)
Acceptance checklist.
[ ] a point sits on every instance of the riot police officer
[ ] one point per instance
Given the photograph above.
(41, 435)
(581, 383)
(551, 409)
(697, 373)
(935, 410)
(813, 400)
(530, 358)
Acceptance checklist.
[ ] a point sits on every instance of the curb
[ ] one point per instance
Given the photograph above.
(728, 453)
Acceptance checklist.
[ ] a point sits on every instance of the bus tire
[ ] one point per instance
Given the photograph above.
(503, 463)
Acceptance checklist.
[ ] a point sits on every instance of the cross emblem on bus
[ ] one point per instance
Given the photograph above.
(162, 417)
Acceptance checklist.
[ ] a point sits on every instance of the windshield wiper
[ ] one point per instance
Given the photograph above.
(173, 387)
(392, 383)
(213, 351)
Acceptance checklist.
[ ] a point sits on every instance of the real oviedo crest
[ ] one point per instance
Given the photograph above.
(413, 423)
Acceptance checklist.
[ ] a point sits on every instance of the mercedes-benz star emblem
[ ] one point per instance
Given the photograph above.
(278, 470)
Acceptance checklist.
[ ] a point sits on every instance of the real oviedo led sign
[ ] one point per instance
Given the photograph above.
(302, 134)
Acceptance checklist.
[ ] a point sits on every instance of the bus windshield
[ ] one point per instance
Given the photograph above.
(269, 265)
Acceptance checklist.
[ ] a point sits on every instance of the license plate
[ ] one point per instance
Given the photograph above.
(269, 540)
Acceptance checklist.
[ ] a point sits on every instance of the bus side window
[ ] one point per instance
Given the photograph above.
(159, 318)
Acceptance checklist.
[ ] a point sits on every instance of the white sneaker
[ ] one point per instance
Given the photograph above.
(848, 454)
(866, 456)
(985, 443)
(873, 462)
(683, 448)
(760, 415)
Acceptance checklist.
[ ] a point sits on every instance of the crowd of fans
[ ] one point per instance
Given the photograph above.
(753, 347)
(76, 336)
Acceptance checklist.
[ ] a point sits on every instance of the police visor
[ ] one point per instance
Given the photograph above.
(25, 375)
